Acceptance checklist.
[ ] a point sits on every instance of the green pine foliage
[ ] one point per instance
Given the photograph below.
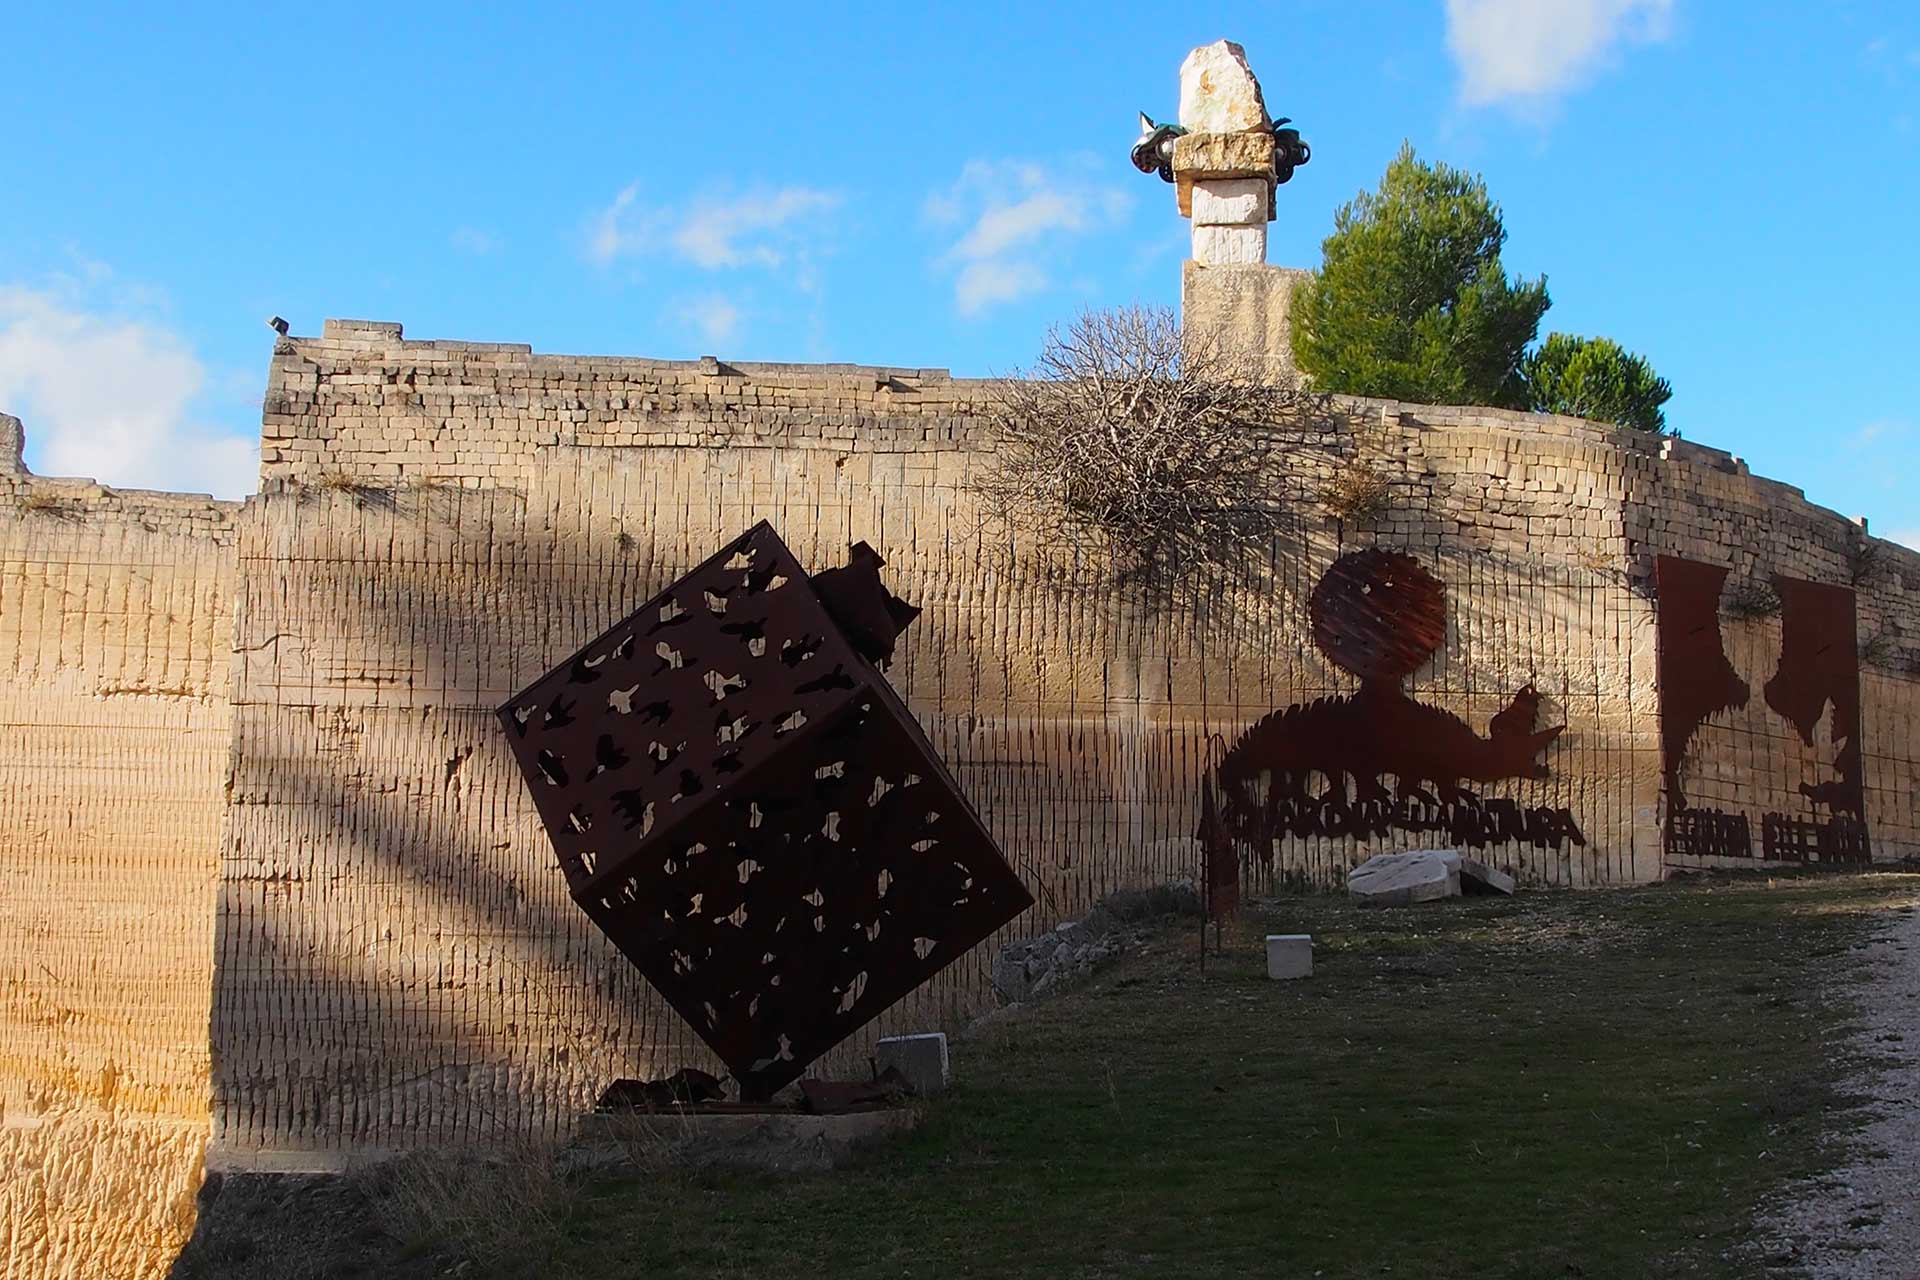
(1412, 302)
(1595, 378)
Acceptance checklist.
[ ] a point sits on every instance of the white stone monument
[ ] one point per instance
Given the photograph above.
(1225, 172)
(1223, 168)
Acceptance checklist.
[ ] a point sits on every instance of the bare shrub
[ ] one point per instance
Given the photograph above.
(1750, 598)
(363, 492)
(1867, 562)
(45, 502)
(1161, 456)
(1355, 493)
(1885, 649)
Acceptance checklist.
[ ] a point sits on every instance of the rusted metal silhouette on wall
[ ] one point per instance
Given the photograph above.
(1380, 616)
(1818, 673)
(745, 807)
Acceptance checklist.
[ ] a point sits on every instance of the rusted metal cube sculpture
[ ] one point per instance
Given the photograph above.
(745, 807)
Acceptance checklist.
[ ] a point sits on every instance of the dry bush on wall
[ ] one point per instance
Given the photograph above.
(40, 502)
(1164, 457)
(1355, 493)
(1750, 598)
(1867, 562)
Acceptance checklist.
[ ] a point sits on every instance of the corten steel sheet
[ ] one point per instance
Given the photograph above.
(744, 806)
(1696, 680)
(1380, 616)
(1818, 669)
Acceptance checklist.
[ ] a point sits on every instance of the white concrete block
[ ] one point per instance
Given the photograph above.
(922, 1059)
(1289, 955)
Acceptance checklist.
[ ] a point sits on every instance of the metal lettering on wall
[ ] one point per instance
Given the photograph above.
(1815, 688)
(1380, 616)
(745, 807)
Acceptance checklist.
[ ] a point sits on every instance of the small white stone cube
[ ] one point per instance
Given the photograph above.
(921, 1059)
(1289, 955)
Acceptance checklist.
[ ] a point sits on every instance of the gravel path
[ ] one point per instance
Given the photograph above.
(1862, 1222)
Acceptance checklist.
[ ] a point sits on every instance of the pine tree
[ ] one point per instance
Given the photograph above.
(1595, 378)
(1411, 301)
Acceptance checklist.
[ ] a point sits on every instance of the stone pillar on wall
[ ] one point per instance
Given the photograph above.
(13, 446)
(1224, 177)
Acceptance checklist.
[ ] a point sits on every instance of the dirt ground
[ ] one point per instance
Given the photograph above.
(1862, 1222)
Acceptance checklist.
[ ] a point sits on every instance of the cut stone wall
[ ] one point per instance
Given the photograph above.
(440, 521)
(115, 627)
(398, 963)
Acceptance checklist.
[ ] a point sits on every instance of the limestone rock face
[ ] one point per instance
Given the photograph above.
(1218, 93)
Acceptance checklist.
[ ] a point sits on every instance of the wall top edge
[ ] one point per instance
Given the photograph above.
(88, 494)
(361, 336)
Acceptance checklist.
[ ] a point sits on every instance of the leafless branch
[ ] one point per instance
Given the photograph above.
(1166, 459)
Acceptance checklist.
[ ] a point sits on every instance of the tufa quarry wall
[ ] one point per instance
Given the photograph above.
(258, 740)
(115, 638)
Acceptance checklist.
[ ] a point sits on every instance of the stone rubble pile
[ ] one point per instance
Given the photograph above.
(1036, 967)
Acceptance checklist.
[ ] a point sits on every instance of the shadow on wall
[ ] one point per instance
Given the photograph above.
(399, 963)
(398, 960)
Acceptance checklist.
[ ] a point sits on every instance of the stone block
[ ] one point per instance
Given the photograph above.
(1242, 310)
(1479, 879)
(920, 1059)
(1229, 246)
(1218, 91)
(1403, 879)
(1289, 955)
(1198, 157)
(1232, 202)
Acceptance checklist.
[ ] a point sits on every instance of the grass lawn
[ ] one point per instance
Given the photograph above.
(1596, 1084)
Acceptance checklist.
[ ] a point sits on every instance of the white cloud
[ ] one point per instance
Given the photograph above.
(981, 285)
(1881, 431)
(717, 319)
(1537, 49)
(1014, 215)
(761, 228)
(111, 397)
(475, 241)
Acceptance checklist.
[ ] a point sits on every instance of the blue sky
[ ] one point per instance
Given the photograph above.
(1729, 188)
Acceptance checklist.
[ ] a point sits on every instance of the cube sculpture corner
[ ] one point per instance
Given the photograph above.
(741, 802)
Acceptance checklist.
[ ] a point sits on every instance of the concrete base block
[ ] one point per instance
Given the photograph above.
(921, 1059)
(1289, 955)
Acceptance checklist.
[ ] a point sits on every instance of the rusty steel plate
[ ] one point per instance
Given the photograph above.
(1817, 676)
(1377, 761)
(740, 801)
